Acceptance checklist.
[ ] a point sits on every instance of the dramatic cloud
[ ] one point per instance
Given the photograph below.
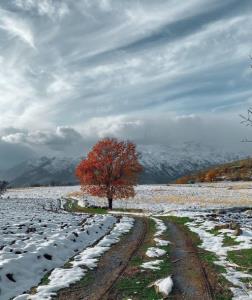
(153, 71)
(11, 154)
(16, 27)
(50, 8)
(222, 131)
(64, 140)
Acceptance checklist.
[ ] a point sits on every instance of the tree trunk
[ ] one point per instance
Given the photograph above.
(110, 203)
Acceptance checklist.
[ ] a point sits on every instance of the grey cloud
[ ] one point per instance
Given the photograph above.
(187, 26)
(123, 68)
(11, 154)
(49, 8)
(222, 131)
(59, 139)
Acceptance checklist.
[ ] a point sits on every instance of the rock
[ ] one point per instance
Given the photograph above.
(238, 231)
(30, 229)
(248, 212)
(10, 277)
(48, 256)
(222, 226)
(234, 226)
(212, 215)
(220, 211)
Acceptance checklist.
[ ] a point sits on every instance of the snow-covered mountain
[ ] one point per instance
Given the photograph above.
(161, 165)
(166, 163)
(43, 171)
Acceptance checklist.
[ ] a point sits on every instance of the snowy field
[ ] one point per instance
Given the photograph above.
(34, 241)
(156, 197)
(169, 197)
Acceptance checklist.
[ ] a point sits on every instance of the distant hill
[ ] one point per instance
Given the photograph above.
(43, 171)
(240, 170)
(161, 164)
(164, 164)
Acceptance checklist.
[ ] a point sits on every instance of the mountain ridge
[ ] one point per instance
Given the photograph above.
(162, 164)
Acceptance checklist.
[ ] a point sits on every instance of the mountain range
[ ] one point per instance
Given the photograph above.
(162, 164)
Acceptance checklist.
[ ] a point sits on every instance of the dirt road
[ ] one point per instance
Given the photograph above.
(189, 275)
(109, 268)
(192, 278)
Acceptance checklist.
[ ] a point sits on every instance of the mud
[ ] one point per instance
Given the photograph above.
(110, 267)
(188, 273)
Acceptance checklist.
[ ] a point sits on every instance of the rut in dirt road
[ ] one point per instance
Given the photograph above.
(189, 276)
(109, 268)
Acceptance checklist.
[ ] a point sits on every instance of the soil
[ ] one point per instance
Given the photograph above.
(188, 272)
(109, 268)
(193, 279)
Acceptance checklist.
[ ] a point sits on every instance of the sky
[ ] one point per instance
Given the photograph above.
(155, 72)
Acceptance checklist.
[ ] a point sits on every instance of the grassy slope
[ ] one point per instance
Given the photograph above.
(235, 171)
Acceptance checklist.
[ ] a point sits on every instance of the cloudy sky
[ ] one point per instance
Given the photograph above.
(156, 72)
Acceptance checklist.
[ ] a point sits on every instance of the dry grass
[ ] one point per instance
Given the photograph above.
(75, 194)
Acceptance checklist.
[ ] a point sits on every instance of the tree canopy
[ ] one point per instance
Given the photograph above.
(110, 170)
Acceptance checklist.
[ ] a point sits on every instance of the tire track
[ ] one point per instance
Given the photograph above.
(189, 275)
(109, 269)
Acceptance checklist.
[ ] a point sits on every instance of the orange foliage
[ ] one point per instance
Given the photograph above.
(110, 170)
(182, 180)
(210, 175)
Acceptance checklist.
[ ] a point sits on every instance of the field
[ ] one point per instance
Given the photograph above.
(45, 250)
(168, 197)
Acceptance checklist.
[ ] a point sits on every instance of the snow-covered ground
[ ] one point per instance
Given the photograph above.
(87, 259)
(35, 241)
(203, 223)
(55, 192)
(169, 197)
(156, 197)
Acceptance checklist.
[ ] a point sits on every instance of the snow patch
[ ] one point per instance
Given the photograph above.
(153, 265)
(160, 242)
(163, 286)
(61, 277)
(161, 228)
(155, 252)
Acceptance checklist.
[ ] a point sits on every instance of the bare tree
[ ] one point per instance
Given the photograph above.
(247, 121)
(3, 187)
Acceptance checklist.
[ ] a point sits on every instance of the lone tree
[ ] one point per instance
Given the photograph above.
(110, 170)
